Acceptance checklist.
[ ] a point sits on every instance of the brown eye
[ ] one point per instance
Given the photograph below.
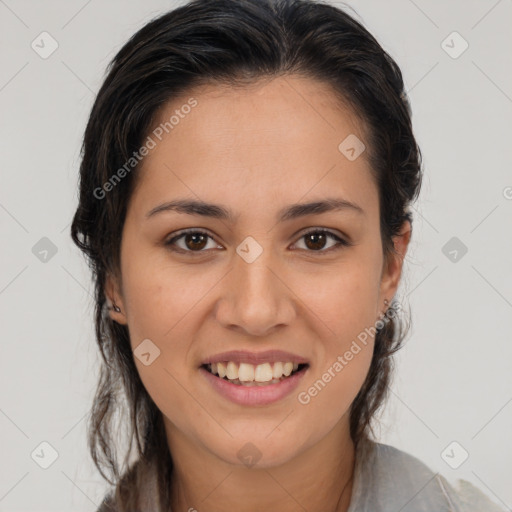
(315, 241)
(195, 241)
(192, 241)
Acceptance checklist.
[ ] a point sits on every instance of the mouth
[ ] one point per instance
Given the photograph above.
(251, 378)
(253, 385)
(250, 375)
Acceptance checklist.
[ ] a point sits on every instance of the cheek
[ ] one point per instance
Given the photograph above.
(165, 304)
(345, 307)
(159, 299)
(159, 294)
(343, 298)
(162, 306)
(344, 304)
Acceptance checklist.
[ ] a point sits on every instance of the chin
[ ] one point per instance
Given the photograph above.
(262, 449)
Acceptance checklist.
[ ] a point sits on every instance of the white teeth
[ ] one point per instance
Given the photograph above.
(232, 371)
(278, 370)
(245, 373)
(221, 370)
(263, 373)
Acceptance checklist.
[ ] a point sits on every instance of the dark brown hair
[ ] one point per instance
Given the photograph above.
(226, 42)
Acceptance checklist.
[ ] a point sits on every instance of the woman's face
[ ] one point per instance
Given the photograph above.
(254, 281)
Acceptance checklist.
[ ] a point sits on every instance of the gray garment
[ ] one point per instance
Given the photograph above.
(389, 480)
(385, 480)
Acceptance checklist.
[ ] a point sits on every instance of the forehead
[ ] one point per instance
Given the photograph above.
(273, 141)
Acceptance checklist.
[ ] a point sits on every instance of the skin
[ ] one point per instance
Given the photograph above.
(256, 149)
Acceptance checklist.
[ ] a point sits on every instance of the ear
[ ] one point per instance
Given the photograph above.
(114, 296)
(392, 267)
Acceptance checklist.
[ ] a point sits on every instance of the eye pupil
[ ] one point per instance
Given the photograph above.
(195, 237)
(315, 237)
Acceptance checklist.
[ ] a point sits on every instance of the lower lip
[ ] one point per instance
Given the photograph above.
(254, 395)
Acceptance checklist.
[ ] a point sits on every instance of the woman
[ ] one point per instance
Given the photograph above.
(247, 173)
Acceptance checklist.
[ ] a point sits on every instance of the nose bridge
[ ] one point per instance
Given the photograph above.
(253, 263)
(258, 299)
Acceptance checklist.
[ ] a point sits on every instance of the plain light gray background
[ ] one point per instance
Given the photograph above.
(453, 379)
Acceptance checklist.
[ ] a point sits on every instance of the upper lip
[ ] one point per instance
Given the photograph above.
(244, 356)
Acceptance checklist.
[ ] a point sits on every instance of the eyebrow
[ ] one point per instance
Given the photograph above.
(293, 211)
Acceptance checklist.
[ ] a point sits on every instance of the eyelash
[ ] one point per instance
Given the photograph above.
(341, 242)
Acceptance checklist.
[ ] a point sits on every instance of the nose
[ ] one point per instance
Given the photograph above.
(256, 298)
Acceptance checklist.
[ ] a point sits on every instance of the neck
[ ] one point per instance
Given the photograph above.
(318, 479)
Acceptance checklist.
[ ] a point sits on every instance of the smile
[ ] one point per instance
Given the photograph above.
(247, 384)
(246, 374)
